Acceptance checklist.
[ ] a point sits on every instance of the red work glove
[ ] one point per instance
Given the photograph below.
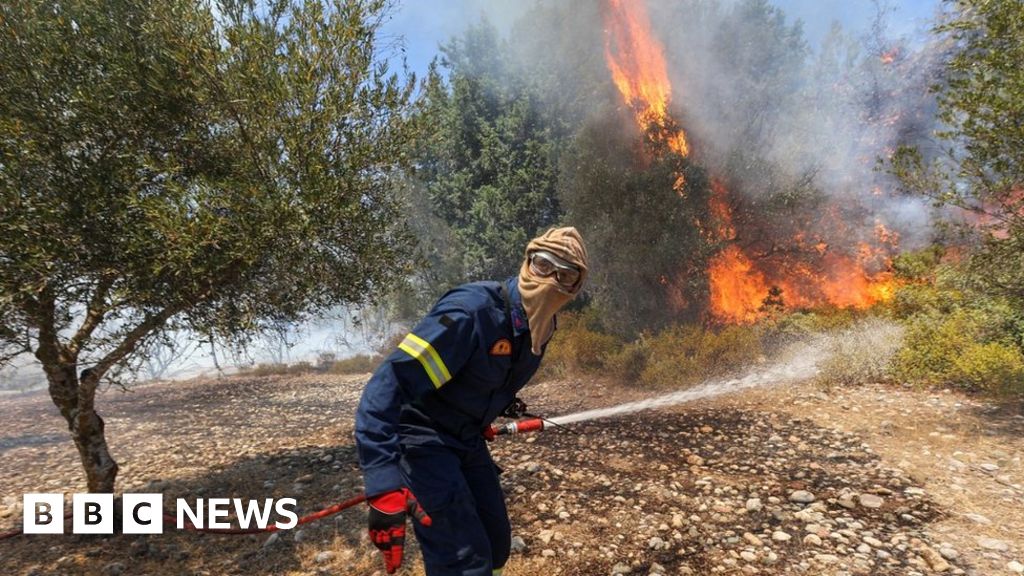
(387, 524)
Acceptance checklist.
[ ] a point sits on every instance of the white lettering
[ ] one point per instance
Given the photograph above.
(196, 517)
(218, 508)
(282, 510)
(252, 512)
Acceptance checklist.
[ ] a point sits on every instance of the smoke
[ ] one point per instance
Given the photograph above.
(786, 199)
(777, 106)
(414, 30)
(777, 96)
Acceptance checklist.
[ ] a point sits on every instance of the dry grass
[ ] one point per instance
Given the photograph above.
(230, 436)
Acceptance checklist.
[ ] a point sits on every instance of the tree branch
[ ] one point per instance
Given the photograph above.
(92, 376)
(96, 311)
(12, 344)
(10, 335)
(43, 311)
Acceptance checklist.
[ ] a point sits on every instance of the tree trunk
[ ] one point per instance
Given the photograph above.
(76, 402)
(100, 467)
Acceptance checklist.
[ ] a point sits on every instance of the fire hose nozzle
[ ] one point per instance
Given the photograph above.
(528, 425)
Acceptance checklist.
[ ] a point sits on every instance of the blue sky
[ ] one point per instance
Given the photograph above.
(421, 25)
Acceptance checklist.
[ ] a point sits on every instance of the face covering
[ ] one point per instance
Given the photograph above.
(543, 296)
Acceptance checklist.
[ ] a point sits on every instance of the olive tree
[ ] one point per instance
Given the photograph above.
(979, 164)
(181, 165)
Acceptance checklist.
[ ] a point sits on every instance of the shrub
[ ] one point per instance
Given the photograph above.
(261, 370)
(686, 354)
(360, 364)
(970, 349)
(324, 361)
(930, 345)
(630, 360)
(579, 346)
(993, 367)
(918, 265)
(913, 299)
(860, 354)
(300, 367)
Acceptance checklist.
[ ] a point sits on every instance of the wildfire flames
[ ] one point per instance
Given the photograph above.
(743, 285)
(638, 68)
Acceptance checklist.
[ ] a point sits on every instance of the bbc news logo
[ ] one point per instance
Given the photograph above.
(144, 513)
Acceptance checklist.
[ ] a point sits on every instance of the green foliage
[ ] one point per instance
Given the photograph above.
(219, 169)
(951, 290)
(992, 367)
(630, 360)
(488, 165)
(957, 334)
(926, 299)
(981, 165)
(680, 355)
(937, 349)
(919, 265)
(648, 255)
(998, 268)
(159, 168)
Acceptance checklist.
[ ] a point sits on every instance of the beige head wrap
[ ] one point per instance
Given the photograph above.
(542, 297)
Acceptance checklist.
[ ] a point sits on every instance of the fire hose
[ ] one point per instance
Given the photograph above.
(528, 425)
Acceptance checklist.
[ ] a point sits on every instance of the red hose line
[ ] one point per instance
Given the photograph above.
(330, 510)
(17, 532)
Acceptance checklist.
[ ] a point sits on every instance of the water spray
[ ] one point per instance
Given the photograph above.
(801, 363)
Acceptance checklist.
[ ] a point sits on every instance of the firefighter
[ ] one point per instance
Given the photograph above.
(420, 421)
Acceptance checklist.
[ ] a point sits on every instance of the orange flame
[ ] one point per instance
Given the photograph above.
(738, 288)
(638, 68)
(739, 283)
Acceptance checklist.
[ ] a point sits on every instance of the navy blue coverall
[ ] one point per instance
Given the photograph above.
(421, 416)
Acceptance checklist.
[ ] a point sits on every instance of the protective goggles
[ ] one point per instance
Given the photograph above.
(546, 264)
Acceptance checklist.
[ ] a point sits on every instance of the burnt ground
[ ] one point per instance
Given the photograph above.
(790, 480)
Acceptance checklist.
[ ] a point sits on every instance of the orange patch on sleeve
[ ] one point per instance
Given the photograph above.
(502, 348)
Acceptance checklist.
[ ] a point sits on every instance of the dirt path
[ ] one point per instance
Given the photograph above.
(873, 480)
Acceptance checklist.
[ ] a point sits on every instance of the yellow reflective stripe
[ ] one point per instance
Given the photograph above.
(497, 571)
(422, 351)
(418, 354)
(446, 376)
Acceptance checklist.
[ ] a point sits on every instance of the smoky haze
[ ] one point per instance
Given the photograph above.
(788, 128)
(832, 103)
(823, 105)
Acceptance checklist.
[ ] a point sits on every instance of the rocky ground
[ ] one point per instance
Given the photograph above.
(787, 480)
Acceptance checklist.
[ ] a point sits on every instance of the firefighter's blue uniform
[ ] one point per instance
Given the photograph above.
(421, 416)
